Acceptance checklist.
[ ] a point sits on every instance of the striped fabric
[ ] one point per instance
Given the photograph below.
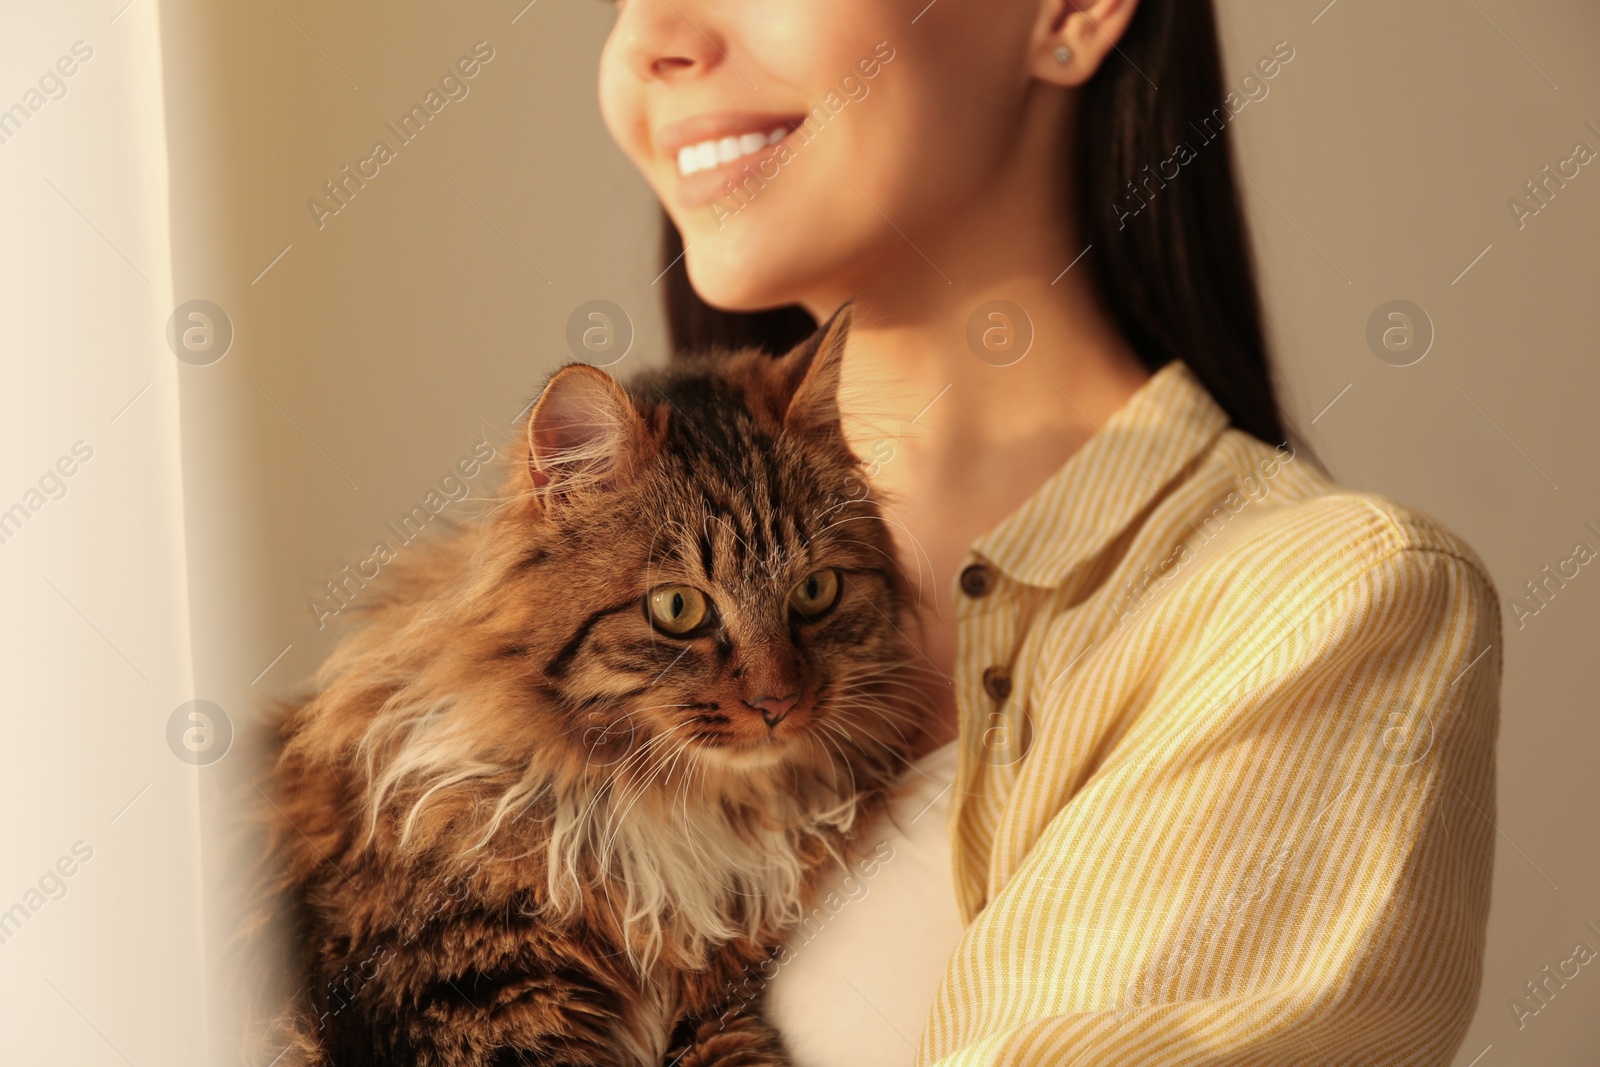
(1226, 773)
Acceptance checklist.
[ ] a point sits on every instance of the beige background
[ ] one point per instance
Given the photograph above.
(374, 352)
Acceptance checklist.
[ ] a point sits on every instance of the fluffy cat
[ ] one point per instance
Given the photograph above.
(582, 766)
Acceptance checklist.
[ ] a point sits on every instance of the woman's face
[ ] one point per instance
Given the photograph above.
(801, 145)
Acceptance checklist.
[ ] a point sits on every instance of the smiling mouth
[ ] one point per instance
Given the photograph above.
(710, 152)
(719, 151)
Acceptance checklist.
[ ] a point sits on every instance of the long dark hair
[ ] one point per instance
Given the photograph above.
(1171, 258)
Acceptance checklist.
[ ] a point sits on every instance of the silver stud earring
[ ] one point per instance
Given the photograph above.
(1063, 54)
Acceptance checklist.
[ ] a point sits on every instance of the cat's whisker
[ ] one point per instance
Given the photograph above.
(919, 554)
(628, 716)
(833, 767)
(901, 707)
(892, 683)
(890, 556)
(684, 784)
(640, 755)
(619, 776)
(852, 725)
(887, 666)
(891, 702)
(898, 682)
(622, 765)
(877, 710)
(897, 752)
(688, 826)
(608, 792)
(672, 768)
(691, 832)
(842, 757)
(889, 693)
(647, 778)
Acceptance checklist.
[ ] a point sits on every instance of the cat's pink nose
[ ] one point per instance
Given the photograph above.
(773, 709)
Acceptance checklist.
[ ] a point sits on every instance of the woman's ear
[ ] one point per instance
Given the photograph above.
(1073, 37)
(582, 431)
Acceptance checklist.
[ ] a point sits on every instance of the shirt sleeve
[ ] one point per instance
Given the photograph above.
(1278, 849)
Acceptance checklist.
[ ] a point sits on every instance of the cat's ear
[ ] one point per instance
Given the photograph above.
(581, 431)
(812, 375)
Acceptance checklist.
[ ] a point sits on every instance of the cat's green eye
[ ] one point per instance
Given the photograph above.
(677, 609)
(815, 594)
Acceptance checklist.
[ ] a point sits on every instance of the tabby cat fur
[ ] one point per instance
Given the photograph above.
(518, 823)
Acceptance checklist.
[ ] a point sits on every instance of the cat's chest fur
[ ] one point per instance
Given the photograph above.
(690, 871)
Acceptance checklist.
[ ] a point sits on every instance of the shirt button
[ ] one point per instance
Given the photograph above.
(997, 682)
(977, 580)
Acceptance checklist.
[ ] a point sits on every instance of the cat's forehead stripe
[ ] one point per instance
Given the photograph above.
(755, 513)
(708, 559)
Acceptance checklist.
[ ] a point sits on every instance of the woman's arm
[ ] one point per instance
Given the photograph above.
(1281, 852)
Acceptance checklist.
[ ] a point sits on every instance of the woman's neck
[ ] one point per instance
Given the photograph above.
(919, 371)
(964, 427)
(955, 443)
(958, 433)
(970, 437)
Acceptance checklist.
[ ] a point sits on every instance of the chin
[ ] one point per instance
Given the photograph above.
(752, 265)
(758, 755)
(735, 282)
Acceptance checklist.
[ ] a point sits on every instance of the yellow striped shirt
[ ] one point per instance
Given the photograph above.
(1226, 772)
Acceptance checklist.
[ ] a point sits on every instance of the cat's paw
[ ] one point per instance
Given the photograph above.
(730, 1041)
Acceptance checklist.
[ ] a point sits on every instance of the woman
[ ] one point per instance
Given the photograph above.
(1222, 731)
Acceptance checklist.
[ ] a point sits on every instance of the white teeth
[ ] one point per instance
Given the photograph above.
(715, 153)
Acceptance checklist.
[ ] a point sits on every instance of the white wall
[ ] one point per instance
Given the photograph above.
(94, 649)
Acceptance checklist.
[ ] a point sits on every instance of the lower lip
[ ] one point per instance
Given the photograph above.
(704, 186)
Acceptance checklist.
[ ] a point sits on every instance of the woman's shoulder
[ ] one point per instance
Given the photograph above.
(1281, 571)
(1276, 515)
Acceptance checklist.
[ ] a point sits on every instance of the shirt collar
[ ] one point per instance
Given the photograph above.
(1104, 485)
